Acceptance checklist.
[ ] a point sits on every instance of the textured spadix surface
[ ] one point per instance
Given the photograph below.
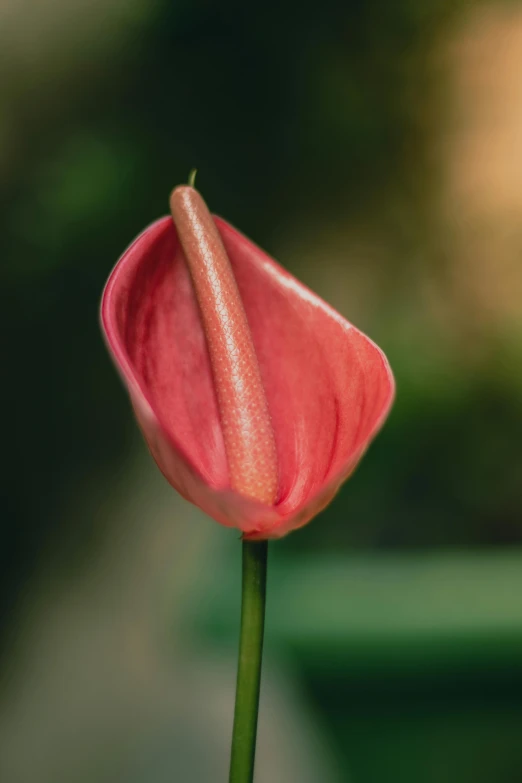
(248, 435)
(327, 386)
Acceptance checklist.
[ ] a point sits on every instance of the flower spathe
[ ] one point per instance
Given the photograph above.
(328, 387)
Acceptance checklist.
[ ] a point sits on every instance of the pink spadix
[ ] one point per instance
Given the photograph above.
(245, 420)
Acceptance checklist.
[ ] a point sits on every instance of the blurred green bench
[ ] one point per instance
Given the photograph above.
(382, 610)
(412, 662)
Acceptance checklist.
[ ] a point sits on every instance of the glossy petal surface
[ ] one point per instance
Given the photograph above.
(328, 386)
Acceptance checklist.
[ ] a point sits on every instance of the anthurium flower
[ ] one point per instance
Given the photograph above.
(256, 398)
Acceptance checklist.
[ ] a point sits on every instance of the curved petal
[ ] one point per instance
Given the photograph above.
(328, 386)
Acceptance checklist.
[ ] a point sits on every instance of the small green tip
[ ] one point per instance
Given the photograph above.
(192, 178)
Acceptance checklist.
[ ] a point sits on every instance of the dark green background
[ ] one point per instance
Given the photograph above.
(298, 117)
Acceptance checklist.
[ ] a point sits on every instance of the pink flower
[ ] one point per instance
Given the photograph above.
(258, 431)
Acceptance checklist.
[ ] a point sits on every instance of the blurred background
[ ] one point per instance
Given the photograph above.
(375, 149)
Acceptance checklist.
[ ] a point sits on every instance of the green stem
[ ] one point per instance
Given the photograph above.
(253, 591)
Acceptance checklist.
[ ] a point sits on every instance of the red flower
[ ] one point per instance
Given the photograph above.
(317, 389)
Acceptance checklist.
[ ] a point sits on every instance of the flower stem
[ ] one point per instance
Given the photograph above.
(253, 599)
